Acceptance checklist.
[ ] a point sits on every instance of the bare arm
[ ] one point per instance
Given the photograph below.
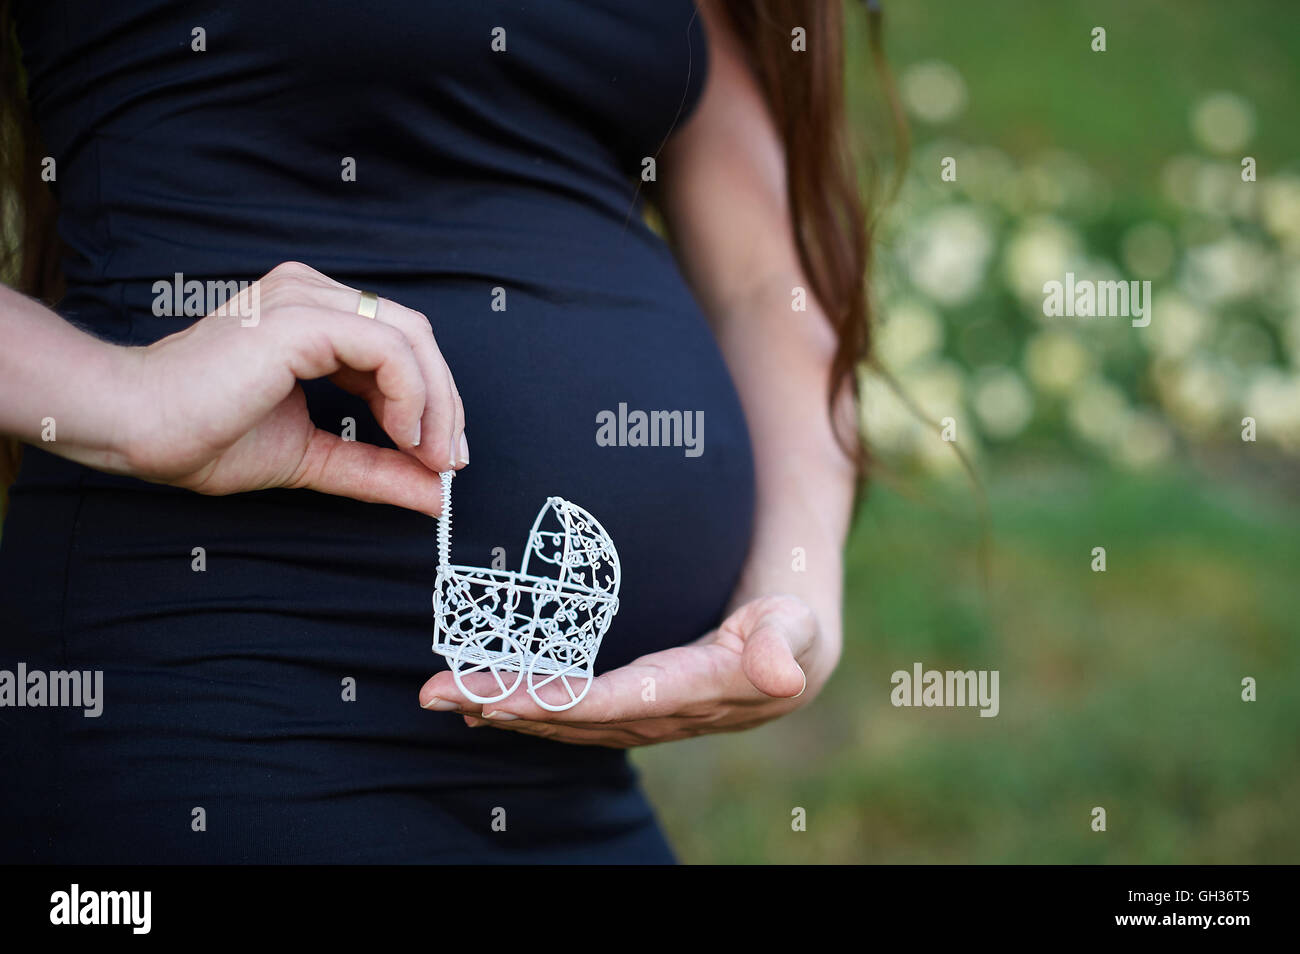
(57, 381)
(216, 407)
(724, 197)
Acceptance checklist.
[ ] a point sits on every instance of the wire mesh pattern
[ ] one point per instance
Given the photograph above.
(541, 628)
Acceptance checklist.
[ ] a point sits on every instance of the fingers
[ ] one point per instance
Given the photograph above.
(442, 425)
(324, 342)
(616, 736)
(775, 636)
(601, 701)
(613, 737)
(769, 664)
(685, 679)
(442, 444)
(368, 473)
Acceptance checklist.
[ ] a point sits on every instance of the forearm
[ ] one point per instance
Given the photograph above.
(60, 388)
(724, 194)
(780, 361)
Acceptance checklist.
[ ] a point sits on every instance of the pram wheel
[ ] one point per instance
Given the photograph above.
(563, 663)
(473, 655)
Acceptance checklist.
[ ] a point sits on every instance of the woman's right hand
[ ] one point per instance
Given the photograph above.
(217, 408)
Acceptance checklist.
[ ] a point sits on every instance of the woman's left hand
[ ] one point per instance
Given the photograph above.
(749, 670)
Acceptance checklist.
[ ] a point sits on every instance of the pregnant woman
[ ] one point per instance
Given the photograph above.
(432, 216)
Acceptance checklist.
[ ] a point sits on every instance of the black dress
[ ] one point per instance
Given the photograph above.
(213, 140)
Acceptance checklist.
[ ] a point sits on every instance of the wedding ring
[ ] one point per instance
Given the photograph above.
(369, 305)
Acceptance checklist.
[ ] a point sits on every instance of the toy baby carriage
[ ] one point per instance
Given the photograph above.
(544, 627)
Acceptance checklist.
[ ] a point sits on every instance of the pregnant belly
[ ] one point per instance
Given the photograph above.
(231, 629)
(619, 402)
(564, 382)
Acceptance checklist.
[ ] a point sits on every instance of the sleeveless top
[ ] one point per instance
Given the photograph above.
(480, 162)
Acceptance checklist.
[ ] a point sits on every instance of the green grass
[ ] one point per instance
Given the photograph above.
(1119, 689)
(1034, 83)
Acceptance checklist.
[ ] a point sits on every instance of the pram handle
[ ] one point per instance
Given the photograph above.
(444, 521)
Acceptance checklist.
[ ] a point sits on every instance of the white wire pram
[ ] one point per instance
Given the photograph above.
(517, 625)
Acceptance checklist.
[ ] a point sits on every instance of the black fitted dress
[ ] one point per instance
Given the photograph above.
(211, 140)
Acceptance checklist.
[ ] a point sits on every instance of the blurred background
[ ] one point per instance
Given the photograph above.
(1120, 689)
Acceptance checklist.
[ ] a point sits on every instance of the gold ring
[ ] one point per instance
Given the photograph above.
(369, 306)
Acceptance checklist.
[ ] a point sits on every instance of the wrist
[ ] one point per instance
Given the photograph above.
(120, 376)
(99, 423)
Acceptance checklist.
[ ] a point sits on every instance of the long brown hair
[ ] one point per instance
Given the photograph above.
(29, 250)
(805, 92)
(832, 231)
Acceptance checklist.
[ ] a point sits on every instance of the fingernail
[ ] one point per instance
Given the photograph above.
(473, 723)
(439, 705)
(464, 450)
(500, 716)
(416, 442)
(805, 683)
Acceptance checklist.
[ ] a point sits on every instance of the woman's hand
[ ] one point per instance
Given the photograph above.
(217, 408)
(749, 670)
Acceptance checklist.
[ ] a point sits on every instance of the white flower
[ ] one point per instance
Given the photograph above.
(1002, 403)
(933, 91)
(1042, 250)
(1057, 361)
(1098, 412)
(1143, 440)
(1280, 206)
(889, 424)
(1198, 394)
(1097, 270)
(1273, 399)
(947, 254)
(1223, 122)
(940, 457)
(936, 387)
(893, 427)
(1219, 193)
(1229, 268)
(1177, 326)
(909, 332)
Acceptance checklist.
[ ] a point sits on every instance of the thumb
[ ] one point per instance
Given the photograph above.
(368, 473)
(768, 660)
